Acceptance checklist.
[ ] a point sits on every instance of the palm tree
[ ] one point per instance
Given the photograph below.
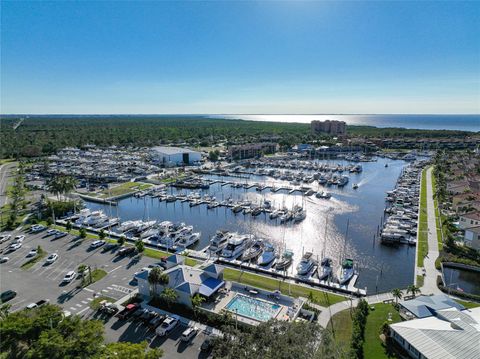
(197, 301)
(413, 289)
(169, 296)
(140, 246)
(68, 184)
(397, 294)
(54, 186)
(154, 278)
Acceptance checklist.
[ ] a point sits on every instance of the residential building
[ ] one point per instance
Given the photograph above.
(468, 220)
(472, 237)
(186, 281)
(174, 156)
(251, 150)
(331, 127)
(448, 334)
(425, 306)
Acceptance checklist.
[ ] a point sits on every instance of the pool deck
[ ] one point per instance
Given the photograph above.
(287, 304)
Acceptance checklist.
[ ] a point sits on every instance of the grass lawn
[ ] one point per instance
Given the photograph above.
(153, 253)
(294, 290)
(373, 346)
(124, 188)
(96, 275)
(438, 217)
(190, 262)
(467, 304)
(95, 304)
(30, 263)
(420, 280)
(6, 160)
(422, 244)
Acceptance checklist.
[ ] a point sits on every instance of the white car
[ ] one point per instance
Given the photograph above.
(14, 246)
(5, 237)
(4, 259)
(69, 276)
(96, 244)
(189, 333)
(19, 239)
(37, 228)
(168, 325)
(50, 232)
(51, 258)
(32, 253)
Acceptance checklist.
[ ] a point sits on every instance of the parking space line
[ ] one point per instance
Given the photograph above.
(84, 302)
(84, 309)
(114, 269)
(78, 305)
(89, 299)
(73, 308)
(89, 290)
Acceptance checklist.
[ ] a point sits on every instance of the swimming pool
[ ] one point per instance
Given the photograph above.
(253, 308)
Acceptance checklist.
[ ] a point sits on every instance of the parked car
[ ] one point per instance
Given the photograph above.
(96, 244)
(207, 344)
(127, 311)
(146, 317)
(108, 308)
(19, 239)
(50, 232)
(156, 321)
(168, 325)
(37, 228)
(32, 253)
(4, 259)
(8, 295)
(69, 276)
(139, 312)
(51, 258)
(109, 247)
(59, 234)
(14, 246)
(189, 333)
(5, 237)
(126, 251)
(37, 304)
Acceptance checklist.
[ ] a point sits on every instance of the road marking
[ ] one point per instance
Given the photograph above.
(78, 305)
(122, 289)
(114, 269)
(84, 302)
(89, 290)
(73, 308)
(84, 309)
(105, 290)
(110, 288)
(89, 299)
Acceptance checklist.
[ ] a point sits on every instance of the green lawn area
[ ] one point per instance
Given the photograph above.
(294, 290)
(468, 304)
(422, 244)
(96, 275)
(438, 217)
(420, 280)
(124, 188)
(154, 253)
(30, 263)
(373, 346)
(6, 160)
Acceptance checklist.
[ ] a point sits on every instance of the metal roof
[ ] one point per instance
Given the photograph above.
(426, 306)
(172, 150)
(450, 334)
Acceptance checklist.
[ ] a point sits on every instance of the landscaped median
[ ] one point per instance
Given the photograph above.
(438, 217)
(422, 239)
(294, 290)
(31, 262)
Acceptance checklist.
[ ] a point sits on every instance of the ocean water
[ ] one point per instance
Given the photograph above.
(428, 122)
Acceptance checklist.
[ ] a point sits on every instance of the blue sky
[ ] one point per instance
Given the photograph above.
(240, 57)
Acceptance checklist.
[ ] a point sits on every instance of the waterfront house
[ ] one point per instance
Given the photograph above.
(472, 237)
(468, 220)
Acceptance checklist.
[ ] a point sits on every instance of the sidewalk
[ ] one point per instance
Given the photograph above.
(431, 273)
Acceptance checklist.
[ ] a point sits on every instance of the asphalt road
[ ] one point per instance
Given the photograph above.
(44, 282)
(4, 176)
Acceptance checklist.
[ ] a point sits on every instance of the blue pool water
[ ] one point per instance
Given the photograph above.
(253, 308)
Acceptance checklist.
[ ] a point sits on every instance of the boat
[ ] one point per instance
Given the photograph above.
(237, 208)
(149, 232)
(306, 264)
(95, 218)
(218, 241)
(127, 225)
(171, 198)
(253, 251)
(236, 244)
(187, 240)
(256, 211)
(285, 261)
(325, 269)
(275, 214)
(323, 195)
(299, 215)
(346, 271)
(286, 216)
(342, 181)
(143, 226)
(386, 164)
(355, 186)
(267, 204)
(268, 255)
(213, 205)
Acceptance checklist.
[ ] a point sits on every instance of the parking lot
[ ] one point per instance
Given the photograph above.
(42, 281)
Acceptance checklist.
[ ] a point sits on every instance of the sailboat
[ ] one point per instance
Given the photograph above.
(346, 270)
(325, 270)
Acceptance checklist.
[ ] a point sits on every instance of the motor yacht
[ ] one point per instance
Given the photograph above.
(285, 261)
(253, 251)
(219, 241)
(306, 265)
(268, 256)
(187, 240)
(235, 246)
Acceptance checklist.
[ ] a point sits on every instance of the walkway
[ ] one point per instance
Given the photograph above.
(431, 273)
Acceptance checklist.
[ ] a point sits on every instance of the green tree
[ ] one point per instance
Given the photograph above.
(82, 233)
(68, 226)
(121, 241)
(397, 294)
(154, 278)
(102, 235)
(140, 246)
(197, 301)
(413, 289)
(4, 310)
(169, 296)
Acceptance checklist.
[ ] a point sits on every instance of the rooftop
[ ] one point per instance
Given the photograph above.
(426, 306)
(172, 150)
(452, 333)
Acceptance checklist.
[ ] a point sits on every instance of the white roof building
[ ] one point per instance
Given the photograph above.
(174, 156)
(449, 334)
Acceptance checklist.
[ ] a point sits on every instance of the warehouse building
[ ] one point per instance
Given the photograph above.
(175, 156)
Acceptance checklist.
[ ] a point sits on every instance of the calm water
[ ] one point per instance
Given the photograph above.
(390, 266)
(468, 281)
(429, 122)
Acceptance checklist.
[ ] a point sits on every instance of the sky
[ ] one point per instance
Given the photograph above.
(239, 57)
